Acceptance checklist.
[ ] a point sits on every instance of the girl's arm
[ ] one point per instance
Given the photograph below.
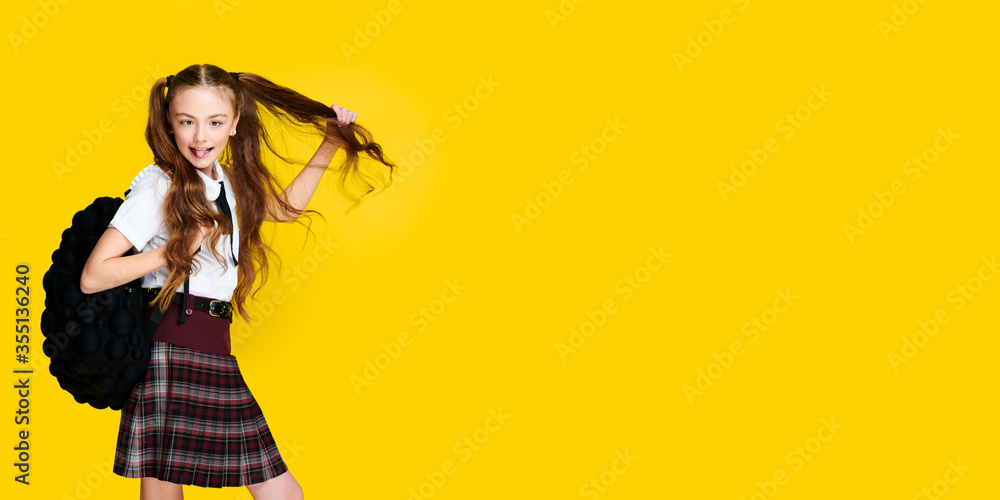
(301, 190)
(107, 267)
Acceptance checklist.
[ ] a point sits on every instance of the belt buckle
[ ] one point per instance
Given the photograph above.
(212, 308)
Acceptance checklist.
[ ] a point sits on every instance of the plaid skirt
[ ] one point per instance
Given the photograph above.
(192, 420)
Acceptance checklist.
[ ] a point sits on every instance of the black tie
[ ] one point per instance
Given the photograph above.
(224, 208)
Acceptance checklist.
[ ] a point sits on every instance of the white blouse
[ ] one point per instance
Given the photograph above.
(140, 220)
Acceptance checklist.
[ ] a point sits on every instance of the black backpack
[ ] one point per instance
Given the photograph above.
(98, 343)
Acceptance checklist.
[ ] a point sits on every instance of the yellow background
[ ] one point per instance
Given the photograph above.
(654, 184)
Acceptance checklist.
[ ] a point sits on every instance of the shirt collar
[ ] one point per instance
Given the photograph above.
(212, 186)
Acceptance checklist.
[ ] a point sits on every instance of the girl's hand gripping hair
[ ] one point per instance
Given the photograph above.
(344, 118)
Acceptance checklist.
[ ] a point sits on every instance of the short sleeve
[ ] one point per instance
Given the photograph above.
(140, 216)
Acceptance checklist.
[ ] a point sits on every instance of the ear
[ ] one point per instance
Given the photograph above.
(235, 121)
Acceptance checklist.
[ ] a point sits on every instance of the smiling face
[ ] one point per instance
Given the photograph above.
(202, 120)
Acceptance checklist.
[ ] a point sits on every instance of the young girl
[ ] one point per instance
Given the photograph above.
(197, 224)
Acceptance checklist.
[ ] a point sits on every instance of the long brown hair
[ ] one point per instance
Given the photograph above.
(185, 206)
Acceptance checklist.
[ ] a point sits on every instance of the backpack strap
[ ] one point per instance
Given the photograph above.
(157, 314)
(184, 300)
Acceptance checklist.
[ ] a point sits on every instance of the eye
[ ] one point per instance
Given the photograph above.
(184, 122)
(220, 123)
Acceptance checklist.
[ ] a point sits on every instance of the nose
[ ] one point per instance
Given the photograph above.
(199, 134)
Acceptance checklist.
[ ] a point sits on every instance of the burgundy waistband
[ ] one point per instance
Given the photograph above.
(200, 331)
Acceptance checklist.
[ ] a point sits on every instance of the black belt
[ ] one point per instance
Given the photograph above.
(215, 308)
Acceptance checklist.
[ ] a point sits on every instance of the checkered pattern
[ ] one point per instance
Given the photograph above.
(192, 420)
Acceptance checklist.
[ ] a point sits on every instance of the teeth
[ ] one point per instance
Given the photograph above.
(200, 152)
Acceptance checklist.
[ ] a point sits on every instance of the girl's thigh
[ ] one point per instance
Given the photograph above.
(151, 488)
(281, 487)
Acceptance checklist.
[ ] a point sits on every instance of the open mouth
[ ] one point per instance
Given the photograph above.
(200, 152)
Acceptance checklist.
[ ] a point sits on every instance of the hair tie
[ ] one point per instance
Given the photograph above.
(236, 76)
(168, 80)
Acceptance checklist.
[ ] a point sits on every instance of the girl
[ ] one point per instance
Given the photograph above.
(191, 418)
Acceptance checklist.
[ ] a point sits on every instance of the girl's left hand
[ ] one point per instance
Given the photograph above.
(344, 115)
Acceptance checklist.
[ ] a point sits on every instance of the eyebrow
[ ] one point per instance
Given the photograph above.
(213, 116)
